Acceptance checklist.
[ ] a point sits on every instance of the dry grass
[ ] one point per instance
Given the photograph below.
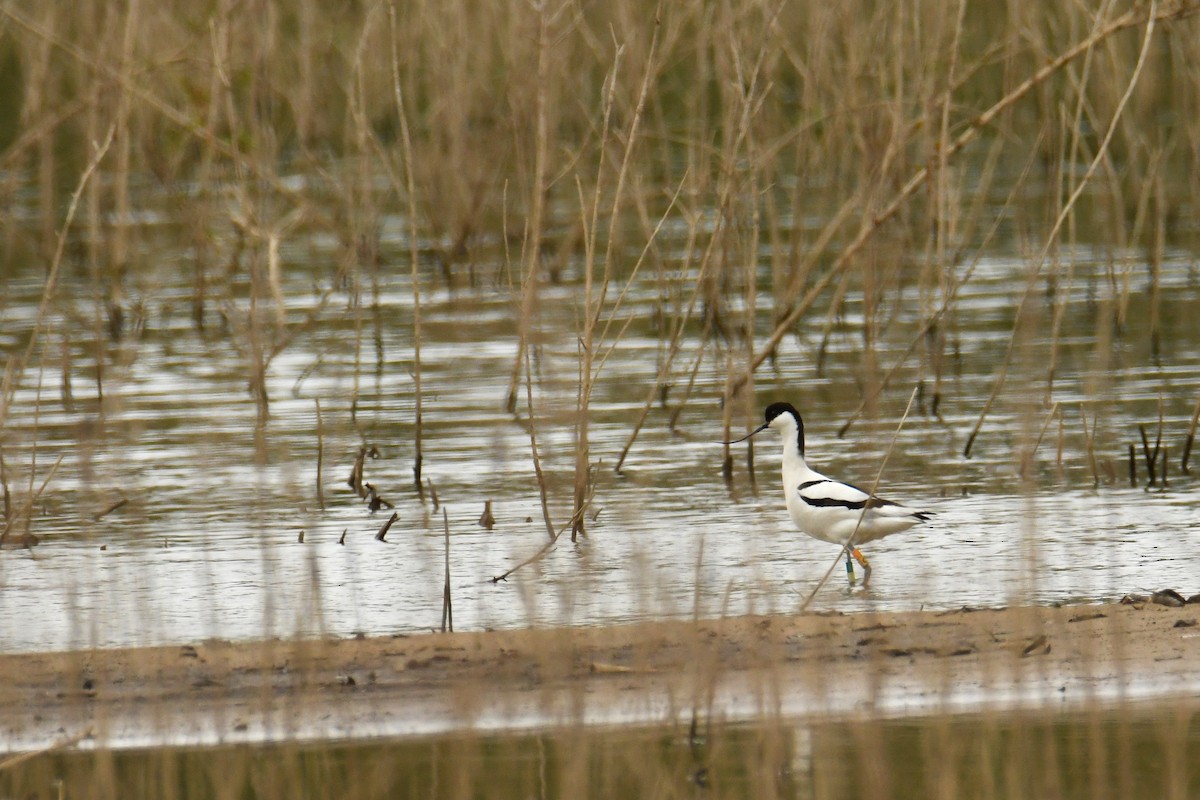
(817, 162)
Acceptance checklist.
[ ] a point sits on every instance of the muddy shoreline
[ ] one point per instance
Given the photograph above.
(802, 667)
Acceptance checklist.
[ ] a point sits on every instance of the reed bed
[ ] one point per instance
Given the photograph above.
(800, 181)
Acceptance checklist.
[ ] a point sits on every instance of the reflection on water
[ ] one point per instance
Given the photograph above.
(1132, 754)
(208, 544)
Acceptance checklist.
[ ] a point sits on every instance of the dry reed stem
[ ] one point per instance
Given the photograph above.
(413, 253)
(975, 127)
(1151, 455)
(543, 492)
(320, 456)
(15, 368)
(1063, 214)
(594, 306)
(26, 510)
(874, 485)
(61, 744)
(1089, 438)
(951, 296)
(535, 223)
(447, 604)
(173, 115)
(7, 494)
(1191, 438)
(673, 348)
(1027, 458)
(381, 534)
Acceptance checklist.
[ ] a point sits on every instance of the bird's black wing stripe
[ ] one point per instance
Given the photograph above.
(832, 501)
(807, 484)
(870, 502)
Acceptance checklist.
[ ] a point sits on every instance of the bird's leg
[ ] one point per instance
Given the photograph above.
(850, 569)
(861, 559)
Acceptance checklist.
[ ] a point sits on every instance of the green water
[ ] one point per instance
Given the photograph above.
(1129, 754)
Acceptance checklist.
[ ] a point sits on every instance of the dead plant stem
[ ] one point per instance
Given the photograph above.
(1063, 214)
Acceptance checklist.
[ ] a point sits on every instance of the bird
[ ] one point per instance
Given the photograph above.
(827, 509)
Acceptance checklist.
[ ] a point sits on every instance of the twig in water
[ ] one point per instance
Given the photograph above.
(1191, 438)
(8, 496)
(1089, 438)
(1132, 465)
(27, 509)
(111, 507)
(1027, 458)
(543, 492)
(379, 537)
(542, 551)
(1151, 455)
(413, 255)
(320, 457)
(355, 481)
(447, 606)
(487, 519)
(375, 500)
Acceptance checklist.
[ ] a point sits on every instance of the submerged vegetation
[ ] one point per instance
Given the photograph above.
(732, 181)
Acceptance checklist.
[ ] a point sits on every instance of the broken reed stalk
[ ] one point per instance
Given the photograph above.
(447, 605)
(1150, 454)
(382, 534)
(413, 250)
(110, 508)
(7, 494)
(1089, 439)
(320, 456)
(355, 481)
(539, 474)
(1158, 448)
(1190, 440)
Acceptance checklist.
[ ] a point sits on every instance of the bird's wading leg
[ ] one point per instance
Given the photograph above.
(861, 559)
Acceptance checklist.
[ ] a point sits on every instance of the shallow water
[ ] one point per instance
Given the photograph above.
(1136, 753)
(208, 543)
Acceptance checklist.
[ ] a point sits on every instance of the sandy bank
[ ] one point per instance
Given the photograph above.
(805, 667)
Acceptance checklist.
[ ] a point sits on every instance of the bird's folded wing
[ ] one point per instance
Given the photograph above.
(826, 492)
